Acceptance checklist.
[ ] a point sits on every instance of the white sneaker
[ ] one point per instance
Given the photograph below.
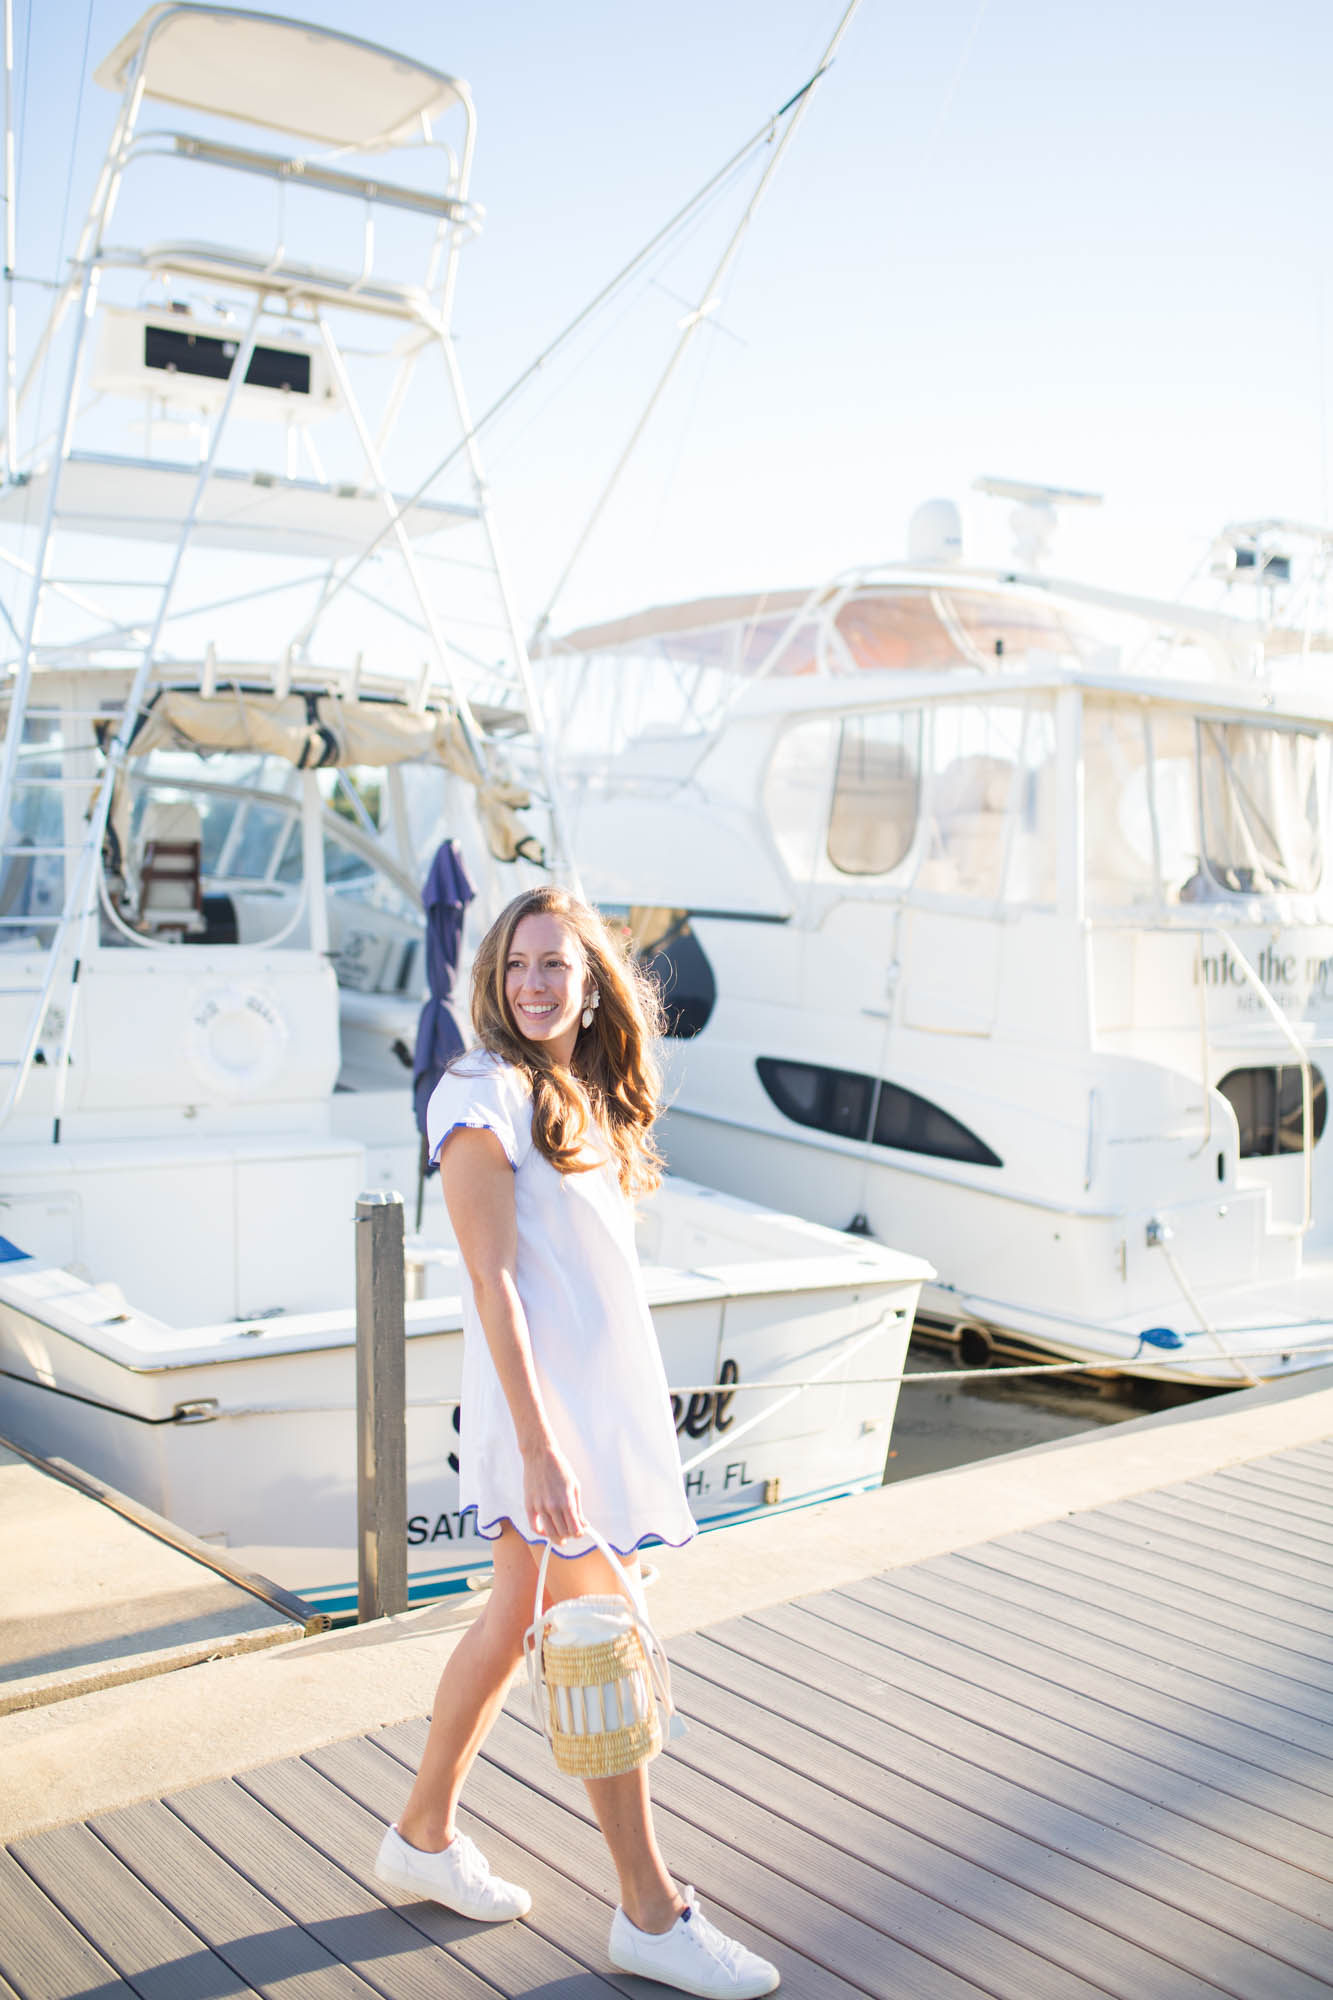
(458, 1876)
(693, 1956)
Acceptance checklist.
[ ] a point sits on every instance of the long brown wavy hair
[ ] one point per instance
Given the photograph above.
(613, 1077)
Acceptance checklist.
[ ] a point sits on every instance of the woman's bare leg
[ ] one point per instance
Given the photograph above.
(471, 1692)
(624, 1812)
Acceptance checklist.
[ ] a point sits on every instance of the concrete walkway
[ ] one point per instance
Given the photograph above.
(119, 1745)
(92, 1598)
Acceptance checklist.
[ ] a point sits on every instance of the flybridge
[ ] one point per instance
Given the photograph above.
(252, 443)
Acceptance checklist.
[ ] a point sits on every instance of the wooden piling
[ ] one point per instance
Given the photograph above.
(381, 1413)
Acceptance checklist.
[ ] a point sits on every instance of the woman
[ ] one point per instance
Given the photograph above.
(543, 1135)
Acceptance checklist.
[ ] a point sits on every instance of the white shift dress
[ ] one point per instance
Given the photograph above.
(594, 1349)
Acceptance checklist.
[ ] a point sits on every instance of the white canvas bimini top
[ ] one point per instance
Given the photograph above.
(291, 76)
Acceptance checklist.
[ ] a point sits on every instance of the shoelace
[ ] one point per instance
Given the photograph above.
(471, 1864)
(729, 1952)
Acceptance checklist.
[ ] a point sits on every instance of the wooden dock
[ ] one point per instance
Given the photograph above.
(1091, 1758)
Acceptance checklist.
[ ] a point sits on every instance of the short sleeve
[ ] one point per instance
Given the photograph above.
(481, 1095)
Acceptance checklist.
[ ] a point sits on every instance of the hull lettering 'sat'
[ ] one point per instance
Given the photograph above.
(453, 1527)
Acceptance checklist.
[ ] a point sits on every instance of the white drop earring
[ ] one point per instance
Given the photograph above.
(594, 1001)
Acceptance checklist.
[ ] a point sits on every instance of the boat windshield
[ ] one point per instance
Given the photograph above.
(1260, 793)
(888, 629)
(1190, 809)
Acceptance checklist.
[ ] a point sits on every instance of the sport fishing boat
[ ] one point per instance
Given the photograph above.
(265, 661)
(996, 917)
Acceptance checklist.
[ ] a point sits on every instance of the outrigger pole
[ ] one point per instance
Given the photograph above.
(10, 253)
(762, 137)
(690, 325)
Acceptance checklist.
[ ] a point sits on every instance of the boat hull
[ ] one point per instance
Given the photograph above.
(1033, 1278)
(247, 1436)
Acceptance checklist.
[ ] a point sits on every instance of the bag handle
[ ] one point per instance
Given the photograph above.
(633, 1584)
(659, 1667)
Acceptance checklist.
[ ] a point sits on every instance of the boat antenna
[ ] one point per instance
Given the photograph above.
(692, 321)
(608, 291)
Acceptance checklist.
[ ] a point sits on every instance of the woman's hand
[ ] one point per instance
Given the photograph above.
(551, 1494)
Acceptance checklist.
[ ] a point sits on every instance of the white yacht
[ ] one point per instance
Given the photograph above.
(263, 660)
(996, 916)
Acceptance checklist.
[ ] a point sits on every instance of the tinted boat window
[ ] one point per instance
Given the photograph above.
(1270, 1111)
(832, 1100)
(914, 1125)
(843, 1101)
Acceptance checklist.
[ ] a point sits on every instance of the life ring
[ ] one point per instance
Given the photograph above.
(236, 1040)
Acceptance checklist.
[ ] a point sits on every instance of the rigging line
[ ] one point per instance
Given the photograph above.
(74, 140)
(762, 137)
(632, 304)
(69, 190)
(686, 425)
(693, 323)
(960, 69)
(951, 89)
(21, 132)
(1321, 337)
(1102, 1365)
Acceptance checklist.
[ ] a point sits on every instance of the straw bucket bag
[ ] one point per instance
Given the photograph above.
(598, 1676)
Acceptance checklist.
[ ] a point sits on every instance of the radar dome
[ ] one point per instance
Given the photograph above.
(935, 533)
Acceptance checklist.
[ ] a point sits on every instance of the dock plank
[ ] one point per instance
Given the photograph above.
(1318, 1455)
(1286, 1570)
(1311, 1500)
(923, 1755)
(542, 1951)
(245, 1928)
(1250, 1518)
(1154, 1544)
(1088, 1761)
(567, 1851)
(160, 1957)
(785, 1918)
(352, 1925)
(42, 1953)
(1215, 1719)
(975, 1684)
(1144, 1620)
(1022, 1887)
(1092, 1566)
(860, 1899)
(1209, 1656)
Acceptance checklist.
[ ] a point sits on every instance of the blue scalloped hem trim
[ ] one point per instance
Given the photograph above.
(648, 1541)
(472, 1125)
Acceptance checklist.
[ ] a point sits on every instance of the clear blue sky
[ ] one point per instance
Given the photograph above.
(1072, 242)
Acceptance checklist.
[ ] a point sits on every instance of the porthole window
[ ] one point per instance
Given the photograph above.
(876, 791)
(913, 1124)
(1269, 1109)
(845, 1102)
